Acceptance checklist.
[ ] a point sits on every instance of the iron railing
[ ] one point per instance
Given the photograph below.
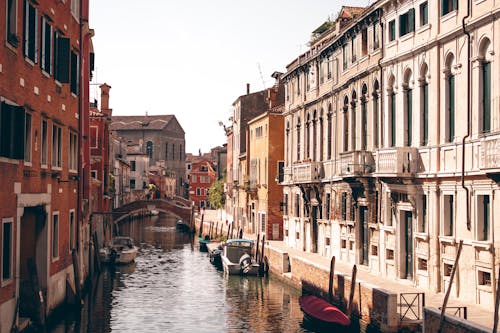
(411, 306)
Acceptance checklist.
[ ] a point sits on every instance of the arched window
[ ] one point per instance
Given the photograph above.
(364, 130)
(149, 149)
(408, 109)
(376, 114)
(485, 58)
(287, 143)
(308, 136)
(345, 108)
(314, 134)
(298, 139)
(424, 105)
(329, 133)
(353, 122)
(321, 142)
(392, 112)
(449, 99)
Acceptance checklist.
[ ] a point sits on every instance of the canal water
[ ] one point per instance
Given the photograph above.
(173, 287)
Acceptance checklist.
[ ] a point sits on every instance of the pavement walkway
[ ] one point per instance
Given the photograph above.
(475, 313)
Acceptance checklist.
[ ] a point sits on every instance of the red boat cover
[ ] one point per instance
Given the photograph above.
(322, 310)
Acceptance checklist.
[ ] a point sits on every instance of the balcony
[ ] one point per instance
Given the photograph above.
(490, 154)
(396, 162)
(287, 176)
(251, 186)
(307, 172)
(356, 163)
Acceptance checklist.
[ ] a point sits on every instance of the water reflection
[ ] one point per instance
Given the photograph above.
(172, 287)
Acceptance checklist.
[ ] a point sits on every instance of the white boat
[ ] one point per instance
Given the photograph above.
(154, 212)
(237, 257)
(122, 251)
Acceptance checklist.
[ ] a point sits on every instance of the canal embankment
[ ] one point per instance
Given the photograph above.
(391, 305)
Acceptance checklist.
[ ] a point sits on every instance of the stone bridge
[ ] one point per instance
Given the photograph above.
(177, 206)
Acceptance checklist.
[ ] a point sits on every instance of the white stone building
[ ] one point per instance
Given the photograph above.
(392, 143)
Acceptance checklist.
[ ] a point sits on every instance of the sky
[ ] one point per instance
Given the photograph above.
(193, 58)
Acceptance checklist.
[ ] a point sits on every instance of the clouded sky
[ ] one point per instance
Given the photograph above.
(193, 58)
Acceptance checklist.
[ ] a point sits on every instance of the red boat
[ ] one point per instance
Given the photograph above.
(322, 312)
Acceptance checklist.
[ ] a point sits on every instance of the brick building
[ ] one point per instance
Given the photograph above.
(202, 176)
(43, 104)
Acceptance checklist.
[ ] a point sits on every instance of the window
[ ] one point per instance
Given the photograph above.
(193, 178)
(166, 152)
(484, 278)
(329, 133)
(298, 139)
(7, 249)
(375, 115)
(329, 68)
(149, 149)
(354, 54)
(450, 114)
(298, 84)
(344, 57)
(364, 42)
(263, 222)
(180, 152)
(72, 230)
(376, 41)
(364, 123)
(46, 56)
(424, 13)
(93, 174)
(56, 146)
(73, 152)
(12, 22)
(258, 132)
(132, 166)
(392, 30)
(407, 22)
(30, 31)
(44, 143)
(449, 215)
(423, 221)
(285, 205)
(483, 217)
(328, 205)
(75, 78)
(132, 184)
(425, 113)
(448, 6)
(55, 235)
(409, 115)
(344, 206)
(75, 9)
(94, 137)
(198, 191)
(12, 119)
(486, 96)
(297, 205)
(393, 119)
(27, 137)
(61, 58)
(173, 151)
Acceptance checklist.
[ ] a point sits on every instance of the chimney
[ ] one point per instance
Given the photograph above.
(248, 88)
(105, 98)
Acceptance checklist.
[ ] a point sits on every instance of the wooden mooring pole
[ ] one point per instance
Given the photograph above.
(353, 288)
(448, 290)
(330, 284)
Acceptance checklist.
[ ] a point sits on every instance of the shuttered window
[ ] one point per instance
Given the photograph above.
(75, 82)
(448, 6)
(486, 76)
(12, 22)
(46, 56)
(27, 137)
(56, 146)
(11, 124)
(451, 108)
(425, 113)
(409, 115)
(62, 58)
(30, 31)
(392, 30)
(407, 22)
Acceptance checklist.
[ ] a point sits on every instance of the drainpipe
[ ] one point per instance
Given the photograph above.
(380, 127)
(468, 113)
(80, 119)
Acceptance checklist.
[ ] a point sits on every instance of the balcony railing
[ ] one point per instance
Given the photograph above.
(490, 154)
(307, 172)
(396, 162)
(356, 163)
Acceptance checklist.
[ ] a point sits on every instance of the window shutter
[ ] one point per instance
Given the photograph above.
(411, 20)
(25, 28)
(486, 97)
(17, 135)
(63, 56)
(402, 24)
(455, 5)
(443, 9)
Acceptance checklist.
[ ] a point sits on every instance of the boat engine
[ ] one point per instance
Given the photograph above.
(245, 263)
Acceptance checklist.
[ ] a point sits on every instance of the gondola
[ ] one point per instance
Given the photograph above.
(321, 313)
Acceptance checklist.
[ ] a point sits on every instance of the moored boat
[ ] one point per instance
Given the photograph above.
(203, 243)
(237, 259)
(122, 251)
(320, 312)
(182, 226)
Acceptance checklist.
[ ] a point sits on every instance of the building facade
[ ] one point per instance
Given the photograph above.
(43, 103)
(391, 143)
(160, 137)
(202, 176)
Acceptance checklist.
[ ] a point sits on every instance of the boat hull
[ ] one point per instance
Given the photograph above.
(322, 313)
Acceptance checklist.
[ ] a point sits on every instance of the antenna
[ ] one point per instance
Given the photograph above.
(261, 77)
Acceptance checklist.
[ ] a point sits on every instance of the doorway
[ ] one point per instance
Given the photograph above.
(408, 244)
(364, 234)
